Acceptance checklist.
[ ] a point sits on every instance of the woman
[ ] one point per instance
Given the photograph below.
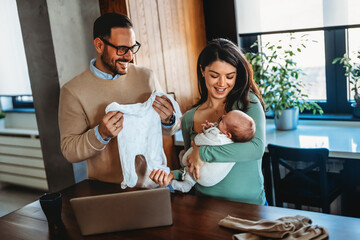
(225, 81)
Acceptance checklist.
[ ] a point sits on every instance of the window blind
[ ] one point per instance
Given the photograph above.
(262, 16)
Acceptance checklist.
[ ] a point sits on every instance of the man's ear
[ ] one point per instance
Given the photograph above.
(99, 45)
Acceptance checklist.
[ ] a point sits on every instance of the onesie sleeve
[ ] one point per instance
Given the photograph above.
(78, 142)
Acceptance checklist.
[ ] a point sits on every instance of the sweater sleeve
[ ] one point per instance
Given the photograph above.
(78, 142)
(239, 152)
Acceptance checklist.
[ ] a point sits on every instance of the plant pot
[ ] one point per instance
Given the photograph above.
(356, 110)
(288, 120)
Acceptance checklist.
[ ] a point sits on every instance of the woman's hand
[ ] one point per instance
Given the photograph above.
(194, 161)
(160, 177)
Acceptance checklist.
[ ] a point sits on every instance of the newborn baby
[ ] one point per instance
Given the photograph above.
(235, 126)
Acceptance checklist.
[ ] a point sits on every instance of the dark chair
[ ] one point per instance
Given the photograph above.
(305, 180)
(266, 170)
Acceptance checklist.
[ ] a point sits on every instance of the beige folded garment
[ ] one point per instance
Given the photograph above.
(298, 227)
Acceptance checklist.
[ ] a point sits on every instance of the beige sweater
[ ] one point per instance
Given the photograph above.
(82, 106)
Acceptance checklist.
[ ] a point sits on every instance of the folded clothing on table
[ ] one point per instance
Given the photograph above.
(298, 227)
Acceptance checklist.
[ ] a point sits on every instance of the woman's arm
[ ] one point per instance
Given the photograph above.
(235, 152)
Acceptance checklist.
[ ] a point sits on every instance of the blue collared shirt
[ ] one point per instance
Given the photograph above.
(100, 73)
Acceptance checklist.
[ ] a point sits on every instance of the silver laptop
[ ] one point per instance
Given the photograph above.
(123, 211)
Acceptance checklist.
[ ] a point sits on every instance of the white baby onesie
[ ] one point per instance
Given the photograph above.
(210, 173)
(141, 135)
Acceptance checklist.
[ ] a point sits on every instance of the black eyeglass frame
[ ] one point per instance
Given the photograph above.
(137, 44)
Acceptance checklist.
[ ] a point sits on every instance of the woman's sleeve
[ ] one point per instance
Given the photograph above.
(239, 152)
(186, 131)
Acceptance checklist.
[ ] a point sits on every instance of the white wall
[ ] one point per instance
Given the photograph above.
(14, 75)
(71, 28)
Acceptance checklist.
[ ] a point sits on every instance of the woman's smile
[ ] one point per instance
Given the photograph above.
(220, 90)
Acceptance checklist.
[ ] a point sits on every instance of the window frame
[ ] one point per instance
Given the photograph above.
(13, 104)
(335, 42)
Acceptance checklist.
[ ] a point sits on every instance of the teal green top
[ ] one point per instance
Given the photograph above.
(245, 182)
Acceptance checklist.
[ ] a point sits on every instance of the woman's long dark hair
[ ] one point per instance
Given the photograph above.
(224, 50)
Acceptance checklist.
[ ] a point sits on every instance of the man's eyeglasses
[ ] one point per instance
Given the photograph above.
(122, 50)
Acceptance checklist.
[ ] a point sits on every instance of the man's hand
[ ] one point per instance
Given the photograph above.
(194, 161)
(163, 106)
(160, 177)
(111, 124)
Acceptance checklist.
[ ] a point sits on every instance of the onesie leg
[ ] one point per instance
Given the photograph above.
(147, 182)
(183, 186)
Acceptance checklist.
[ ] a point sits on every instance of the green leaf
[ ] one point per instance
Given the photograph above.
(336, 60)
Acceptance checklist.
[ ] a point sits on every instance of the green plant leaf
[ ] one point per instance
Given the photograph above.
(278, 76)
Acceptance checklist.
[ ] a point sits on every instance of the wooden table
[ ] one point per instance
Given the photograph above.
(194, 218)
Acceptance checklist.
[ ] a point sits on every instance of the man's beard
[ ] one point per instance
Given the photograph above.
(107, 62)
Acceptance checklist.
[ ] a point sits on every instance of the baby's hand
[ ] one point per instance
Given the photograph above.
(206, 125)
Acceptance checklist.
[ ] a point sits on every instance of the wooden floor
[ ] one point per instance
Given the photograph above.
(13, 197)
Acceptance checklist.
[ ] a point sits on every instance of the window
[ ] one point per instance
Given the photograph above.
(311, 60)
(334, 25)
(352, 47)
(14, 75)
(15, 90)
(22, 103)
(325, 82)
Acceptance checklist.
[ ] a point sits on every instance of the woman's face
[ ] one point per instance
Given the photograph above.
(220, 79)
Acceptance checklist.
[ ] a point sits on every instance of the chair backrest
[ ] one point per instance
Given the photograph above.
(291, 159)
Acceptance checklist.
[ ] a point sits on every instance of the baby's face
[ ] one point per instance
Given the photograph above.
(223, 124)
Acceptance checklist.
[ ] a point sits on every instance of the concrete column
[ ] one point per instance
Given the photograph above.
(57, 46)
(72, 32)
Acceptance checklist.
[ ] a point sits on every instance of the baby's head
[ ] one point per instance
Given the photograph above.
(237, 126)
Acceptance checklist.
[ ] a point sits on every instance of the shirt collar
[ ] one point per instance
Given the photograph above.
(101, 74)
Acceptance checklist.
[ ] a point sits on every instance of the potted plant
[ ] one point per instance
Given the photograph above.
(2, 115)
(278, 78)
(352, 72)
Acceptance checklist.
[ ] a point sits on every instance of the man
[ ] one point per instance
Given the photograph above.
(86, 132)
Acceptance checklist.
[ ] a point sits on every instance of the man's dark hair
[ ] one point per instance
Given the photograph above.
(104, 23)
